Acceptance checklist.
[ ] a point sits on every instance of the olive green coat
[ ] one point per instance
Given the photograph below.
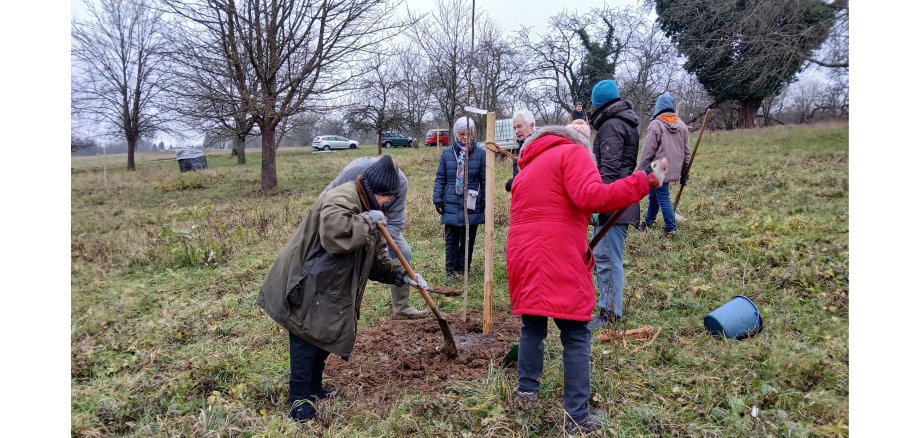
(315, 287)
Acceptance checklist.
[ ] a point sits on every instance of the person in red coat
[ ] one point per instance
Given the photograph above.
(552, 200)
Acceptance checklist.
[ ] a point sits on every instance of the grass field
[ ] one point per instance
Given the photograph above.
(166, 339)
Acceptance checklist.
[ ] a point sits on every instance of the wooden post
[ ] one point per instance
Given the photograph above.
(489, 243)
(105, 170)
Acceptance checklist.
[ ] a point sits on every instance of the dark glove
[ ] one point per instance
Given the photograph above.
(684, 180)
(439, 207)
(508, 184)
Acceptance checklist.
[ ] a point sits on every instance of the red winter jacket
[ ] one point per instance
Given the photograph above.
(552, 200)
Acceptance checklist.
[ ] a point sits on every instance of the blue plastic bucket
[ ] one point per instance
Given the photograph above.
(738, 319)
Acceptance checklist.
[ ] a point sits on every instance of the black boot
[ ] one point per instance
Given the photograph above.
(302, 409)
(317, 391)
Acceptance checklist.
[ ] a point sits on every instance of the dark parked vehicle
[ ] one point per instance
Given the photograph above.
(390, 139)
(442, 138)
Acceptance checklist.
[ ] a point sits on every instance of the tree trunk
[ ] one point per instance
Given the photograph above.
(269, 176)
(132, 144)
(749, 109)
(239, 149)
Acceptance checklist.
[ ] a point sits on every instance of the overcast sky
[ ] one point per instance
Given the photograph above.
(512, 14)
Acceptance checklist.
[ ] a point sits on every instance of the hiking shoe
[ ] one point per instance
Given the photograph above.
(525, 399)
(325, 393)
(586, 425)
(644, 226)
(669, 234)
(303, 411)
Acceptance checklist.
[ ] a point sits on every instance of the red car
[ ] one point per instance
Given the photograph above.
(442, 138)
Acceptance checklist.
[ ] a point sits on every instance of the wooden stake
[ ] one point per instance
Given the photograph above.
(692, 156)
(488, 246)
(105, 170)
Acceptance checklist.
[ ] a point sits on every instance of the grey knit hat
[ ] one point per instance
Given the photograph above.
(382, 177)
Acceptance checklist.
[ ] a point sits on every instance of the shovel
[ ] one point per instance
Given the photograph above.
(450, 347)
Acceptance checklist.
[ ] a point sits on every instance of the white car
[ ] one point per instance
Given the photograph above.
(330, 142)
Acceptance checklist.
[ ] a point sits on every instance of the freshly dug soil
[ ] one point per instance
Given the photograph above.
(400, 354)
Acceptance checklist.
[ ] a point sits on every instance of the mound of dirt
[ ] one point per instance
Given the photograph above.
(399, 354)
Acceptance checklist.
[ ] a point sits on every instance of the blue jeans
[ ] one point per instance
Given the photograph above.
(400, 291)
(576, 361)
(403, 246)
(661, 197)
(608, 268)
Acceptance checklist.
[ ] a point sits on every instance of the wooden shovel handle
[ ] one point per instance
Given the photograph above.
(409, 271)
(692, 156)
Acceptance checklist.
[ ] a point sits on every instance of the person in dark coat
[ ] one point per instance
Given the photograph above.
(396, 218)
(579, 113)
(464, 159)
(616, 147)
(524, 126)
(315, 287)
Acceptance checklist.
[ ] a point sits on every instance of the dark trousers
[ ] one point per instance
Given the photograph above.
(454, 243)
(576, 361)
(307, 364)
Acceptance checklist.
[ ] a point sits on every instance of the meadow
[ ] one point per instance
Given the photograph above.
(166, 339)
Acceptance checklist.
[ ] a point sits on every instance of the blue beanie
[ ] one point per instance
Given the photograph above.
(665, 101)
(603, 92)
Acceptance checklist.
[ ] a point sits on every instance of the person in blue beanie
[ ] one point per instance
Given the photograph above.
(616, 146)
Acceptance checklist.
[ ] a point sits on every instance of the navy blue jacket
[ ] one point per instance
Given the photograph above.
(446, 193)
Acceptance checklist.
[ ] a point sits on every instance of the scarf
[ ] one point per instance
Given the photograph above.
(462, 154)
(668, 118)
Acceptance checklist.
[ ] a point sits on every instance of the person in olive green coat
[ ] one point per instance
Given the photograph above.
(315, 287)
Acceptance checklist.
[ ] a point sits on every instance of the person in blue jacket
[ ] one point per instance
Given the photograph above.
(464, 159)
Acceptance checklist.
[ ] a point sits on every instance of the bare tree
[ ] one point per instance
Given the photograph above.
(299, 50)
(376, 106)
(496, 70)
(835, 53)
(118, 79)
(578, 51)
(414, 94)
(651, 66)
(205, 92)
(444, 38)
(542, 104)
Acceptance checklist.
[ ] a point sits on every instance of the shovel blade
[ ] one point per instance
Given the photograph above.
(446, 291)
(450, 347)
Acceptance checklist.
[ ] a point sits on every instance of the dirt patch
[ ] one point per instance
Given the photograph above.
(400, 354)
